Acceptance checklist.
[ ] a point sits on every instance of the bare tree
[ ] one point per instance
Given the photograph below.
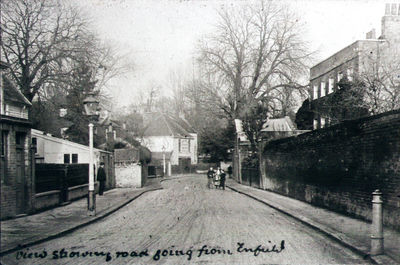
(257, 52)
(379, 82)
(44, 40)
(253, 63)
(37, 35)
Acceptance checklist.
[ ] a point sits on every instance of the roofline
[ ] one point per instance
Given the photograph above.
(357, 41)
(26, 101)
(42, 134)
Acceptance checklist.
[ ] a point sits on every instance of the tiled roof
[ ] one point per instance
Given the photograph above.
(12, 94)
(279, 125)
(160, 124)
(272, 125)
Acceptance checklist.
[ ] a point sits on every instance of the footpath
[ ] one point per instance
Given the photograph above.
(34, 229)
(350, 232)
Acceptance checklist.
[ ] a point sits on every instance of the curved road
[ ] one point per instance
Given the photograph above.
(187, 223)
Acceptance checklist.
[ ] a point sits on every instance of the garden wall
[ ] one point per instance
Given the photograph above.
(340, 166)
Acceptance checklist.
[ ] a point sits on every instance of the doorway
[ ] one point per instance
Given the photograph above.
(20, 186)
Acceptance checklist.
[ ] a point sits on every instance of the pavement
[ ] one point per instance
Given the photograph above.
(350, 232)
(353, 233)
(37, 228)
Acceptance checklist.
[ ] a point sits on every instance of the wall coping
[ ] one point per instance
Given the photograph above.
(344, 124)
(46, 193)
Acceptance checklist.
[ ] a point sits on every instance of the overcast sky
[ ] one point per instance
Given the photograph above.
(160, 36)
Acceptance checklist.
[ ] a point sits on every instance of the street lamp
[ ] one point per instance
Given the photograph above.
(163, 149)
(91, 105)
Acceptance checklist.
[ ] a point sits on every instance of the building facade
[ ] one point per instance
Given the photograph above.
(172, 142)
(16, 162)
(54, 150)
(351, 62)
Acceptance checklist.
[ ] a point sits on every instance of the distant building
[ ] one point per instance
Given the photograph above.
(171, 141)
(54, 150)
(16, 168)
(349, 63)
(273, 129)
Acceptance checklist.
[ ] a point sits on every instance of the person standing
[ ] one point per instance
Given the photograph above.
(101, 177)
(217, 178)
(222, 181)
(230, 171)
(210, 176)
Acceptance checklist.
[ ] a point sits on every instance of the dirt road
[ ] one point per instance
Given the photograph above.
(186, 223)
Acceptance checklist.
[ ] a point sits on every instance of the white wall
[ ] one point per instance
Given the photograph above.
(171, 144)
(128, 175)
(156, 143)
(52, 149)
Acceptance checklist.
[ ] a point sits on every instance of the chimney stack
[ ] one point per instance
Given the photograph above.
(394, 9)
(387, 10)
(371, 34)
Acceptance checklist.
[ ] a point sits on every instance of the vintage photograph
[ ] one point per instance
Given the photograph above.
(199, 132)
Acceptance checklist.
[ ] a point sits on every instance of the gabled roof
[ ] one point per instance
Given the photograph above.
(272, 125)
(160, 124)
(279, 125)
(184, 124)
(12, 94)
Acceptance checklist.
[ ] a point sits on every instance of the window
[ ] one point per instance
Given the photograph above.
(74, 158)
(339, 76)
(3, 158)
(4, 143)
(315, 125)
(322, 122)
(350, 74)
(66, 158)
(330, 85)
(323, 91)
(34, 144)
(315, 92)
(20, 139)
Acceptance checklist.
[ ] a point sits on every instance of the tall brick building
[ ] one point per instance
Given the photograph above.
(16, 167)
(348, 63)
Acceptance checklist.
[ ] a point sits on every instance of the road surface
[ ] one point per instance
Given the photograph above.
(188, 223)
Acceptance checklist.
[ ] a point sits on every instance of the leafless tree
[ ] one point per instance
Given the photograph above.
(44, 40)
(253, 63)
(256, 53)
(379, 82)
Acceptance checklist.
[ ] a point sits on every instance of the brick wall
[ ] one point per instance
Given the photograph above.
(340, 166)
(9, 188)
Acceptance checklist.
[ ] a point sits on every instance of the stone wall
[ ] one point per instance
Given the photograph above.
(340, 166)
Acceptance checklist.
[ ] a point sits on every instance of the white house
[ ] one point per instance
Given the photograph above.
(50, 149)
(172, 141)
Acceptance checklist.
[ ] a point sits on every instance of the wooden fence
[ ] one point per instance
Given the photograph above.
(60, 176)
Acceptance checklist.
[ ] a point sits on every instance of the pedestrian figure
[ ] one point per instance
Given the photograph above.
(217, 178)
(222, 181)
(230, 171)
(210, 176)
(101, 177)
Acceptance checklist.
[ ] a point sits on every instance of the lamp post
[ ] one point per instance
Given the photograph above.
(163, 149)
(91, 105)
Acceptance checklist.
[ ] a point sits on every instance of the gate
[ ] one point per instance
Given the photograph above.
(251, 177)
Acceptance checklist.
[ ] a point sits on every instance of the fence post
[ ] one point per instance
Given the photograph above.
(64, 186)
(377, 224)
